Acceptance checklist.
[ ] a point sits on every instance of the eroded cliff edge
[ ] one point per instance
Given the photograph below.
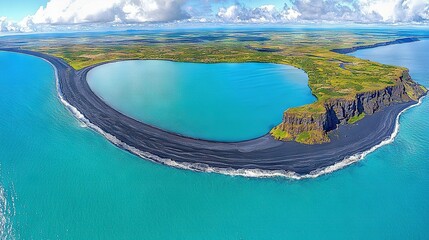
(312, 128)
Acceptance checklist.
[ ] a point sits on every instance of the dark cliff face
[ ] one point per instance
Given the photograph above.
(340, 111)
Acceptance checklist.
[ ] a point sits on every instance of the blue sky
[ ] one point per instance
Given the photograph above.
(33, 15)
(18, 9)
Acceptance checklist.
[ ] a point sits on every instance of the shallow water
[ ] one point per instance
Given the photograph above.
(62, 181)
(222, 102)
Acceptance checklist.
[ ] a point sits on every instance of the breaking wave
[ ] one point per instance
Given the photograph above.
(254, 173)
(7, 211)
(3, 210)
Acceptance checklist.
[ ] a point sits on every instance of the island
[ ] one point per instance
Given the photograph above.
(357, 107)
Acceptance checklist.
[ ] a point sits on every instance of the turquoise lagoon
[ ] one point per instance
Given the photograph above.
(60, 180)
(221, 102)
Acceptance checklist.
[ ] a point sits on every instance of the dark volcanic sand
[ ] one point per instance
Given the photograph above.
(263, 153)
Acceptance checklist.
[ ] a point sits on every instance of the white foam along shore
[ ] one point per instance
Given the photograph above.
(254, 173)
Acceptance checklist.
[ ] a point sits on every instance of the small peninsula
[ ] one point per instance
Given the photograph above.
(345, 86)
(357, 107)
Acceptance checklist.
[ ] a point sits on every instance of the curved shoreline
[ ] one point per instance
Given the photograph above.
(354, 49)
(262, 157)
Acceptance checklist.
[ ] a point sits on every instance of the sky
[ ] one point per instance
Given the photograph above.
(18, 9)
(49, 15)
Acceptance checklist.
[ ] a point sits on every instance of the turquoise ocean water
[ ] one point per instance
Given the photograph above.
(223, 102)
(59, 180)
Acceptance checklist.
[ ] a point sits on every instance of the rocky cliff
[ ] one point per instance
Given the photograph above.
(312, 128)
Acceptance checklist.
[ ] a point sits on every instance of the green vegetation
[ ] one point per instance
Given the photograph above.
(312, 137)
(303, 137)
(356, 118)
(331, 75)
(279, 134)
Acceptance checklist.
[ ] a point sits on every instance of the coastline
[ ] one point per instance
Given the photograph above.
(262, 157)
(354, 49)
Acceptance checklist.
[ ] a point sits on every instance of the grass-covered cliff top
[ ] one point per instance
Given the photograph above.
(331, 75)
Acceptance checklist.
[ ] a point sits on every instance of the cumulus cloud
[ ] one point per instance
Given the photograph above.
(75, 14)
(5, 25)
(102, 11)
(25, 25)
(264, 13)
(369, 11)
(326, 9)
(86, 12)
(396, 10)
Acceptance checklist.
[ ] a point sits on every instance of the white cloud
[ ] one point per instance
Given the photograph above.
(262, 14)
(5, 25)
(369, 11)
(85, 14)
(106, 11)
(396, 10)
(9, 26)
(60, 13)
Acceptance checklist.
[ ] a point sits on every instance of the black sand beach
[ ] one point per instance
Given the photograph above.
(263, 153)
